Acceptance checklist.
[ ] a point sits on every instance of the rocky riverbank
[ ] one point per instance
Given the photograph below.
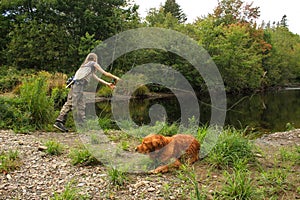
(40, 175)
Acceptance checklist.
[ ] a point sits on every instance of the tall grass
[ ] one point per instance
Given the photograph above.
(238, 185)
(231, 148)
(36, 102)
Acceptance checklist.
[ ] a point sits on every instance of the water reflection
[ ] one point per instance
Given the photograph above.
(268, 112)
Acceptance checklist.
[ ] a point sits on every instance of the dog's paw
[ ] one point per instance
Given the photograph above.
(152, 172)
(161, 169)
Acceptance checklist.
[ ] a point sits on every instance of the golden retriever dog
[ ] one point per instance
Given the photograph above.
(170, 152)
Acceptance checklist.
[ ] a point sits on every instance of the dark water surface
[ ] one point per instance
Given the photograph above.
(263, 112)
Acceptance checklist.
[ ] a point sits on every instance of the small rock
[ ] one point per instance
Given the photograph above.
(64, 164)
(80, 184)
(139, 184)
(42, 148)
(258, 155)
(8, 176)
(151, 189)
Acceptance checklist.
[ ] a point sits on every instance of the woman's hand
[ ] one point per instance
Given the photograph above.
(115, 80)
(111, 85)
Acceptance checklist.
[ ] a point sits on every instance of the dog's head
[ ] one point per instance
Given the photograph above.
(151, 143)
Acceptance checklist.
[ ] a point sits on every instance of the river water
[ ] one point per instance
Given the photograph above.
(262, 112)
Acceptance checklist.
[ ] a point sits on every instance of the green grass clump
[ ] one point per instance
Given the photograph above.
(231, 148)
(33, 109)
(9, 161)
(70, 193)
(290, 155)
(117, 177)
(274, 182)
(82, 156)
(105, 123)
(238, 185)
(54, 148)
(169, 130)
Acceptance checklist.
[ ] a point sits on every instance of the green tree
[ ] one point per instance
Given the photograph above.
(283, 21)
(41, 46)
(282, 66)
(238, 58)
(172, 7)
(49, 34)
(233, 11)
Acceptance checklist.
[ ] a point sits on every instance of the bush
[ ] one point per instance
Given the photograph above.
(11, 115)
(141, 91)
(104, 91)
(33, 95)
(59, 96)
(11, 77)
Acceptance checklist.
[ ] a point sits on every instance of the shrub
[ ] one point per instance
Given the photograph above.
(59, 96)
(104, 91)
(56, 80)
(141, 91)
(10, 77)
(11, 115)
(33, 95)
(133, 81)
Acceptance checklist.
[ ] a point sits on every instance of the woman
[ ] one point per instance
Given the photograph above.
(75, 99)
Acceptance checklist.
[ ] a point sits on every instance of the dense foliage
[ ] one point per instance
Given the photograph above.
(55, 35)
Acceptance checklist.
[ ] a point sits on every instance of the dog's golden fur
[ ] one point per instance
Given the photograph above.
(180, 148)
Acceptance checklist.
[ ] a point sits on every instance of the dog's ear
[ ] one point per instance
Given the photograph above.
(158, 142)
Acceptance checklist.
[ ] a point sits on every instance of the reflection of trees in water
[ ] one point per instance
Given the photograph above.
(270, 111)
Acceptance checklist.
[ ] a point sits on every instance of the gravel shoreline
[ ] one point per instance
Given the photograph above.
(40, 176)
